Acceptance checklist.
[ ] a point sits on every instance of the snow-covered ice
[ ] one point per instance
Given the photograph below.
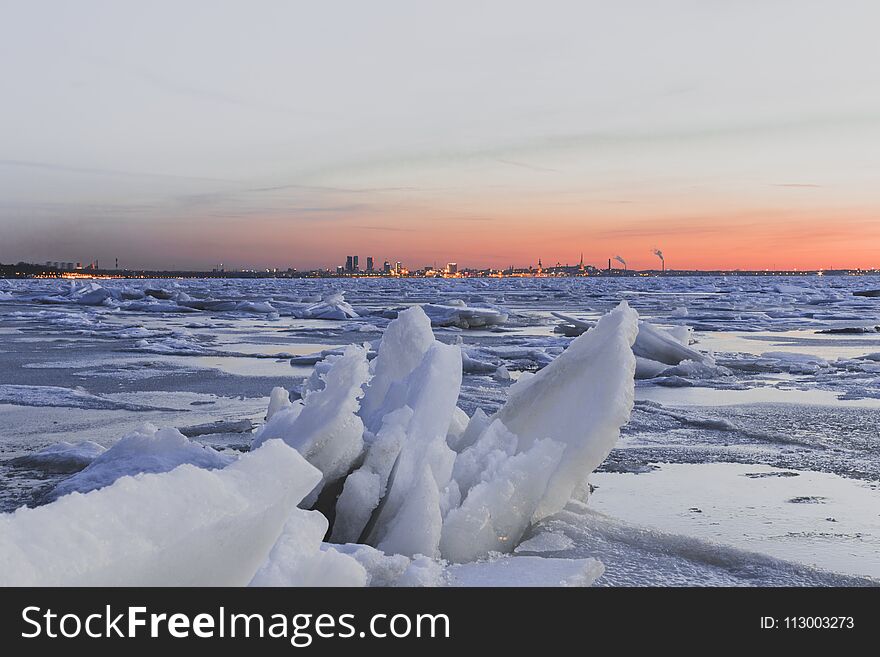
(187, 527)
(452, 427)
(62, 457)
(146, 450)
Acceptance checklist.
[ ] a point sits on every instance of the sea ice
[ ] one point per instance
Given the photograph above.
(580, 400)
(326, 429)
(297, 558)
(458, 314)
(187, 527)
(365, 487)
(147, 449)
(61, 457)
(393, 569)
(526, 571)
(403, 346)
(332, 306)
(409, 520)
(655, 344)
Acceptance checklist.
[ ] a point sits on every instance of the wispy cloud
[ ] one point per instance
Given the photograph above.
(51, 166)
(524, 165)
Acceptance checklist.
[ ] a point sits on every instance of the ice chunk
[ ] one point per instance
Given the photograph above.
(210, 305)
(394, 569)
(684, 334)
(457, 427)
(652, 343)
(414, 526)
(477, 424)
(697, 370)
(61, 457)
(187, 527)
(501, 374)
(409, 519)
(404, 344)
(256, 307)
(147, 449)
(795, 363)
(333, 306)
(365, 487)
(22, 395)
(464, 317)
(656, 344)
(326, 428)
(220, 426)
(546, 542)
(472, 365)
(580, 400)
(297, 558)
(648, 369)
(483, 457)
(496, 512)
(279, 400)
(91, 294)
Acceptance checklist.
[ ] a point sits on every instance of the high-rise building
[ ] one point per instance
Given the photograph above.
(452, 268)
(370, 264)
(355, 261)
(340, 269)
(349, 264)
(398, 268)
(386, 268)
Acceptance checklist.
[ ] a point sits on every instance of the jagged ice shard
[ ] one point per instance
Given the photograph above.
(187, 527)
(566, 419)
(381, 448)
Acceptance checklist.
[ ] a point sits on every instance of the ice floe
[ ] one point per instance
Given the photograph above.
(63, 457)
(146, 450)
(187, 527)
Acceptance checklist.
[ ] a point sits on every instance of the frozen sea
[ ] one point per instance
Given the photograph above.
(759, 467)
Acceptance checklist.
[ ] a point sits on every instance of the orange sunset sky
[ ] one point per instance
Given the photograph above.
(278, 134)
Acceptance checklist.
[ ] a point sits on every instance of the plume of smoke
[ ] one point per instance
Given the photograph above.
(659, 254)
(621, 261)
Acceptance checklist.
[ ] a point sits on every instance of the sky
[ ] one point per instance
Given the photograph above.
(280, 133)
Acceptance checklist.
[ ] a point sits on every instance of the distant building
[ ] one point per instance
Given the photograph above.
(386, 268)
(356, 265)
(398, 268)
(452, 268)
(370, 264)
(349, 264)
(340, 270)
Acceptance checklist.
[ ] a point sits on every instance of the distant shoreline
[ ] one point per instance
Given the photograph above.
(22, 271)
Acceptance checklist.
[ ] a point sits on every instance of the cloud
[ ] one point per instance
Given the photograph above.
(50, 166)
(523, 165)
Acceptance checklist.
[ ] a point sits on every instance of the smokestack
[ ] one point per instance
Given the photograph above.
(659, 254)
(609, 264)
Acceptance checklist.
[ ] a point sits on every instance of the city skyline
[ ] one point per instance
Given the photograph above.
(730, 136)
